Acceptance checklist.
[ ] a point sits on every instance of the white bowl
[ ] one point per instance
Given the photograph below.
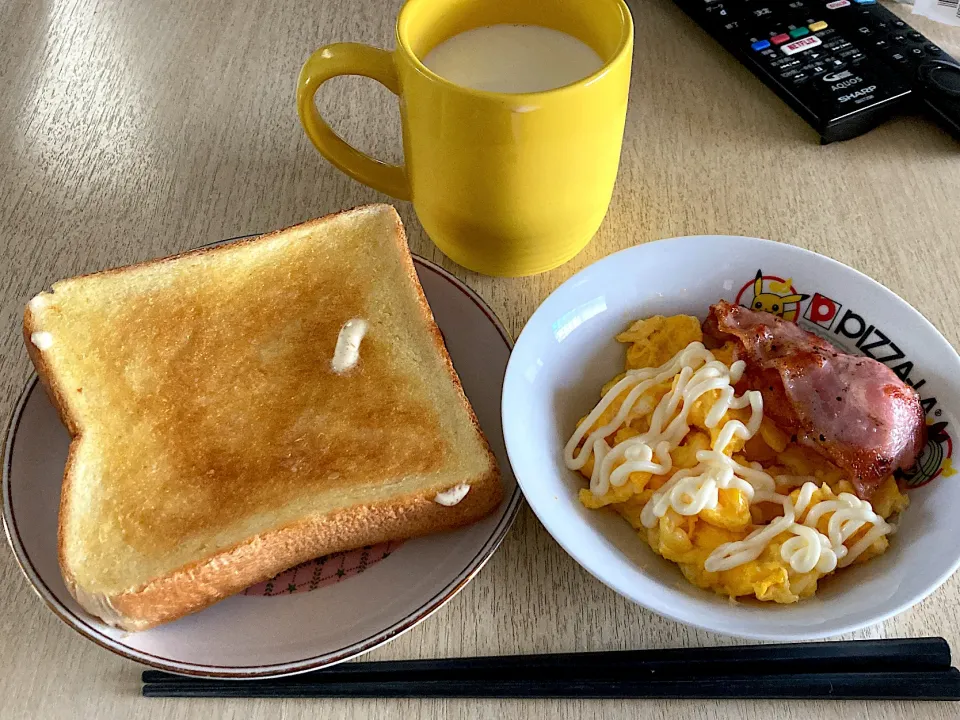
(567, 351)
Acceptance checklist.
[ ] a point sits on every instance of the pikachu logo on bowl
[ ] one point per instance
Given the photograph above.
(772, 294)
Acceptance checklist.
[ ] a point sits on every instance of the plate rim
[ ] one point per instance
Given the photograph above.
(314, 662)
(512, 371)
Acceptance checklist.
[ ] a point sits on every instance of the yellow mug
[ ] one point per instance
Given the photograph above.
(504, 184)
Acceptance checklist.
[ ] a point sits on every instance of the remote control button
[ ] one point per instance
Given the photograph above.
(799, 32)
(799, 78)
(837, 45)
(866, 2)
(760, 45)
(818, 26)
(915, 36)
(866, 31)
(915, 52)
(898, 23)
(837, 4)
(779, 39)
(763, 12)
(825, 70)
(898, 38)
(897, 57)
(800, 45)
(785, 61)
(881, 44)
(853, 55)
(932, 50)
(942, 77)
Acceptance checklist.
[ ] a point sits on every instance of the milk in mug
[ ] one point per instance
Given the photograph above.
(513, 59)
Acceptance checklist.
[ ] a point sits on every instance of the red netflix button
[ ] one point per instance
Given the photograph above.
(810, 41)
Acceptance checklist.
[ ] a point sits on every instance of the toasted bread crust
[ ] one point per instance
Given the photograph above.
(58, 397)
(407, 260)
(198, 585)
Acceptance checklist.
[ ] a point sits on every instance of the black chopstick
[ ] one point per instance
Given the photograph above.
(924, 685)
(907, 655)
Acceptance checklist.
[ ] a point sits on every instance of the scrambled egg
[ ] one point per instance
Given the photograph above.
(689, 540)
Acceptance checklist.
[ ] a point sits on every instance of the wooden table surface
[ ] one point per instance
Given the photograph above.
(130, 130)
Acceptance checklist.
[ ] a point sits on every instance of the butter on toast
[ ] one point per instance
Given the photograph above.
(215, 442)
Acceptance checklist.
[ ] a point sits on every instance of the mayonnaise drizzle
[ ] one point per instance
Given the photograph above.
(695, 372)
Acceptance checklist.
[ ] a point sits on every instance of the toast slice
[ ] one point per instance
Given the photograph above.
(214, 444)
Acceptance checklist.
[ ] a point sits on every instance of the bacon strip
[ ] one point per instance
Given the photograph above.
(853, 410)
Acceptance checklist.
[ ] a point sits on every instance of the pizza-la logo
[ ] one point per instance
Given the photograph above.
(772, 294)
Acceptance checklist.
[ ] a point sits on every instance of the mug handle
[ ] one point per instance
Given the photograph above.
(349, 59)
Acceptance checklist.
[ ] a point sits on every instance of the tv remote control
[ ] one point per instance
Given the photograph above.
(844, 66)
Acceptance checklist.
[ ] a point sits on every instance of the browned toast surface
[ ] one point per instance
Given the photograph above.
(206, 412)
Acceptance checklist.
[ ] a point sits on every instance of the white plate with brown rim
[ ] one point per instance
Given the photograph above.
(320, 613)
